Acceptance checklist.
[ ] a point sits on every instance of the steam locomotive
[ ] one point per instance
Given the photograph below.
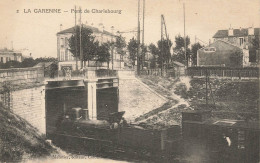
(76, 131)
(198, 131)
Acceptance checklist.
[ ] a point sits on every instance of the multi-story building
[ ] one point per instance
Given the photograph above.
(221, 53)
(242, 38)
(66, 58)
(10, 55)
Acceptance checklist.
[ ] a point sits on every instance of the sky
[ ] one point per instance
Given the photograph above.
(37, 31)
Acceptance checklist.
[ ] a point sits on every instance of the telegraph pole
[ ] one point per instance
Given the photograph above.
(143, 56)
(80, 42)
(75, 30)
(186, 58)
(162, 56)
(112, 50)
(138, 40)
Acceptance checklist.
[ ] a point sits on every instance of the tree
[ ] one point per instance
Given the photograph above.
(155, 52)
(28, 62)
(11, 64)
(132, 48)
(194, 48)
(164, 51)
(252, 49)
(179, 49)
(87, 43)
(120, 45)
(236, 59)
(103, 54)
(255, 42)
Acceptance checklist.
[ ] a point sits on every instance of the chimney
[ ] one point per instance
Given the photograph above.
(85, 114)
(112, 29)
(60, 27)
(250, 31)
(101, 27)
(118, 33)
(230, 32)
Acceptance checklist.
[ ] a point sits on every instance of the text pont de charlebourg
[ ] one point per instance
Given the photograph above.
(105, 11)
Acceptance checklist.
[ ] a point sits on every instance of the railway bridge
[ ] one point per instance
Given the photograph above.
(43, 101)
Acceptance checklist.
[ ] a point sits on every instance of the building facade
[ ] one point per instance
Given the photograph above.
(66, 58)
(223, 54)
(242, 38)
(10, 55)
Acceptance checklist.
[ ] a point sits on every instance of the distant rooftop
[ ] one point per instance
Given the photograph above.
(236, 33)
(94, 29)
(5, 50)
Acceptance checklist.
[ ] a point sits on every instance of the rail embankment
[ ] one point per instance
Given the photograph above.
(232, 99)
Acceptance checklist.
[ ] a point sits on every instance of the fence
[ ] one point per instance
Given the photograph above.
(172, 72)
(155, 72)
(250, 72)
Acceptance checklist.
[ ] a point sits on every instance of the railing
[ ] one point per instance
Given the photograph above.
(68, 74)
(248, 72)
(172, 72)
(105, 73)
(155, 72)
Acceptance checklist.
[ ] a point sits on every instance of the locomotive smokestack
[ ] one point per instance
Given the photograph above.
(76, 113)
(85, 114)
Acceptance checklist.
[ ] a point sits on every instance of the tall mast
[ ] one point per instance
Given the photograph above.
(186, 58)
(162, 56)
(138, 40)
(143, 56)
(75, 31)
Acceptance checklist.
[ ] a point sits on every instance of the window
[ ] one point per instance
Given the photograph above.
(66, 55)
(62, 42)
(210, 49)
(66, 41)
(241, 41)
(2, 60)
(62, 56)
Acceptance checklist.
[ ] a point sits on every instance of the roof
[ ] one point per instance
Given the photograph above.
(43, 64)
(94, 29)
(220, 41)
(236, 32)
(8, 51)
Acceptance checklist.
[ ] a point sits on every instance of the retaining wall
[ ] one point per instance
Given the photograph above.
(22, 90)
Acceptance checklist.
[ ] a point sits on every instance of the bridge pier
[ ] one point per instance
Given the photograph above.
(92, 98)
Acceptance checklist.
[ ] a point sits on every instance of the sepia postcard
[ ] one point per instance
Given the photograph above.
(129, 81)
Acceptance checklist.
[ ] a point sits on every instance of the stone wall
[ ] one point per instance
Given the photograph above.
(30, 105)
(22, 90)
(17, 76)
